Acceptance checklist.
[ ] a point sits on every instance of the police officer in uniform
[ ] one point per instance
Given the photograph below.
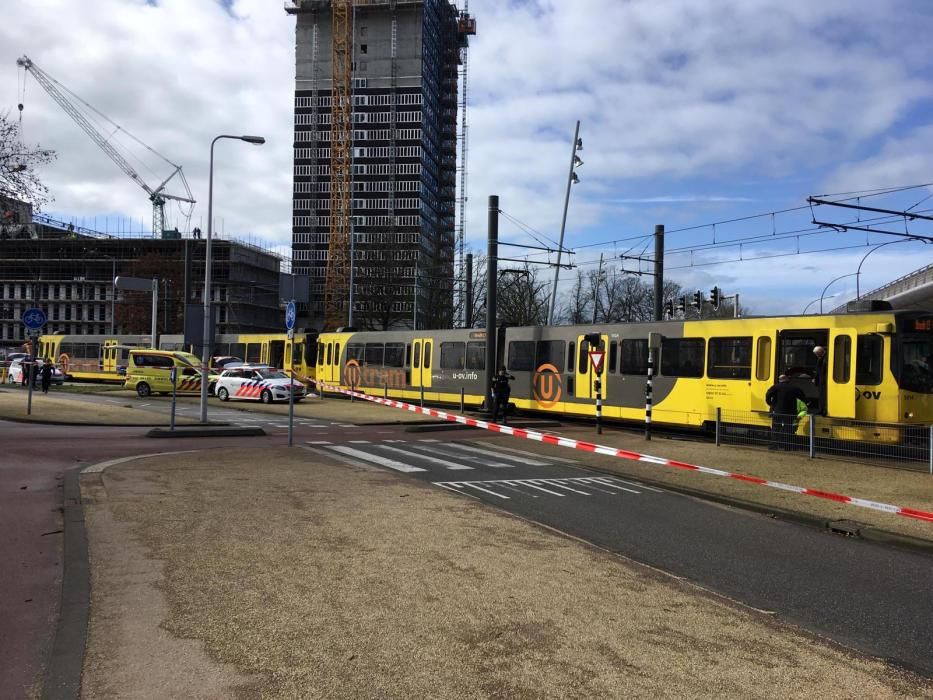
(501, 391)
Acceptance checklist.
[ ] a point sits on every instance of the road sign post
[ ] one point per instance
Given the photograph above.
(173, 378)
(290, 316)
(596, 362)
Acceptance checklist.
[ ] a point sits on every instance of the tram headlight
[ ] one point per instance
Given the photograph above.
(909, 415)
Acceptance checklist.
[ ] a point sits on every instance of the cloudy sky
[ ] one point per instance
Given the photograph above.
(693, 115)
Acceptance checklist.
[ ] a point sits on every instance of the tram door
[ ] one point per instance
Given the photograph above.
(422, 362)
(840, 382)
(276, 353)
(585, 376)
(110, 356)
(762, 373)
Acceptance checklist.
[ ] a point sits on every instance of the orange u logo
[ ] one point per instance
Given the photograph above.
(351, 373)
(547, 385)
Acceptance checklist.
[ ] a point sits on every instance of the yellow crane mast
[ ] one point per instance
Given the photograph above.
(337, 278)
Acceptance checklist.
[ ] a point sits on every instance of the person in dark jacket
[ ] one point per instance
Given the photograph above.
(782, 398)
(819, 377)
(46, 374)
(501, 391)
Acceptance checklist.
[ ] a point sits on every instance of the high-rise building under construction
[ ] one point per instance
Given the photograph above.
(375, 158)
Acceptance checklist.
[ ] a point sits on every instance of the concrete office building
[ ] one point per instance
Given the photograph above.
(405, 59)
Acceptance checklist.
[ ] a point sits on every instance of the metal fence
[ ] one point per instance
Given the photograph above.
(885, 444)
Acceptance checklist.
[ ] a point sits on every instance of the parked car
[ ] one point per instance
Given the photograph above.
(258, 383)
(21, 365)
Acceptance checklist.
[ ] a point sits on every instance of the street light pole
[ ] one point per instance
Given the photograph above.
(858, 272)
(206, 328)
(571, 178)
(841, 277)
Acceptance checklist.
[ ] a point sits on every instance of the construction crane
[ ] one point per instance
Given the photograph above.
(337, 276)
(157, 195)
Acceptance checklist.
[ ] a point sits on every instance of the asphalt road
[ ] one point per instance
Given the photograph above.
(870, 597)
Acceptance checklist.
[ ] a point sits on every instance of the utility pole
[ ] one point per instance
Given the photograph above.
(599, 277)
(468, 301)
(659, 272)
(492, 277)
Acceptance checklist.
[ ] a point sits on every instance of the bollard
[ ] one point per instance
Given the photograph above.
(385, 390)
(422, 395)
(352, 389)
(812, 419)
(930, 447)
(718, 426)
(462, 405)
(599, 407)
(648, 393)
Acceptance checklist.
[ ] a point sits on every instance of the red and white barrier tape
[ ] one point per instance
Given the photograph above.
(552, 439)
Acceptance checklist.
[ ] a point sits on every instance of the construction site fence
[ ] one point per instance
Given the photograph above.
(901, 445)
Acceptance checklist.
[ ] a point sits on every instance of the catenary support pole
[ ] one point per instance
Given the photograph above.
(155, 313)
(930, 447)
(492, 254)
(659, 272)
(812, 426)
(718, 426)
(468, 300)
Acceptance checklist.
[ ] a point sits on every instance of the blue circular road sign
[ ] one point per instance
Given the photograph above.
(34, 319)
(290, 314)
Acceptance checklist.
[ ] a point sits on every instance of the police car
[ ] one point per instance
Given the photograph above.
(256, 383)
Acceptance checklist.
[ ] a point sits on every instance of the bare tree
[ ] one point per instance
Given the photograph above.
(576, 307)
(18, 178)
(477, 295)
(521, 298)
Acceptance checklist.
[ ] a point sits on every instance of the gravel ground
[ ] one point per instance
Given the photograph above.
(276, 574)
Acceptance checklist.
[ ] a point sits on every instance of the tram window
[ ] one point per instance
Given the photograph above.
(92, 351)
(408, 354)
(375, 353)
(613, 356)
(219, 349)
(417, 360)
(842, 359)
(729, 358)
(310, 350)
(395, 355)
(237, 349)
(635, 357)
(583, 360)
(682, 357)
(763, 368)
(571, 354)
(320, 353)
(336, 353)
(521, 355)
(254, 352)
(868, 353)
(427, 356)
(452, 355)
(355, 351)
(330, 351)
(549, 352)
(476, 355)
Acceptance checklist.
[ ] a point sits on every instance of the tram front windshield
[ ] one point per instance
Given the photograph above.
(916, 355)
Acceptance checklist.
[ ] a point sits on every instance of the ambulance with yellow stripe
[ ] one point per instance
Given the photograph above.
(149, 371)
(257, 383)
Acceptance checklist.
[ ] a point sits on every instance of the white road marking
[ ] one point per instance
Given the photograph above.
(479, 488)
(360, 442)
(607, 482)
(439, 451)
(319, 442)
(635, 483)
(367, 457)
(489, 453)
(558, 483)
(428, 440)
(534, 454)
(458, 491)
(447, 464)
(528, 482)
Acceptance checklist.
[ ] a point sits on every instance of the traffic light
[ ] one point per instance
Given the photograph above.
(697, 300)
(715, 297)
(669, 308)
(593, 339)
(682, 304)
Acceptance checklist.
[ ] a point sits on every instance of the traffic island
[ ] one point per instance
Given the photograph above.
(201, 431)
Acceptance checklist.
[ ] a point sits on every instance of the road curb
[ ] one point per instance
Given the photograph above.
(89, 425)
(63, 675)
(198, 432)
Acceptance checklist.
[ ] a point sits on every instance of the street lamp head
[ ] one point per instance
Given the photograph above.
(579, 144)
(574, 178)
(258, 140)
(577, 161)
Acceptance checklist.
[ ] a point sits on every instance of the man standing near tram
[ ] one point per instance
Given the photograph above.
(819, 378)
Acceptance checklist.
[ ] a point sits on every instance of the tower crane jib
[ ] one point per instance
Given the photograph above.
(157, 195)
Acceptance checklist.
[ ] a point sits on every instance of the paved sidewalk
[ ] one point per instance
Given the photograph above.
(63, 408)
(278, 573)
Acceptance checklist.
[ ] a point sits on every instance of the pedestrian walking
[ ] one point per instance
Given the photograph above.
(501, 391)
(46, 374)
(819, 378)
(782, 398)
